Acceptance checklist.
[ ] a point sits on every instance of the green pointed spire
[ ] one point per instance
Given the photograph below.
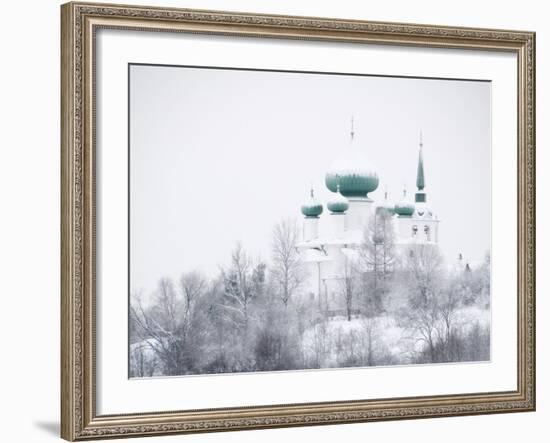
(420, 171)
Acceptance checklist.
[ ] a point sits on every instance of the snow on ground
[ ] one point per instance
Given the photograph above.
(384, 332)
(337, 341)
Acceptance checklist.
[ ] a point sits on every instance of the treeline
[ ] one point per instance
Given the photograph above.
(255, 316)
(246, 319)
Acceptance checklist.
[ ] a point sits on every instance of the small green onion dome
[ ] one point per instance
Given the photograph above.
(386, 207)
(404, 208)
(312, 208)
(338, 204)
(354, 174)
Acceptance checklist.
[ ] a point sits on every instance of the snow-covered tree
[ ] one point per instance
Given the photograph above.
(377, 259)
(169, 326)
(242, 284)
(287, 271)
(422, 266)
(348, 285)
(192, 286)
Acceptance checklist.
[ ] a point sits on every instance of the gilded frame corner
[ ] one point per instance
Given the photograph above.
(79, 21)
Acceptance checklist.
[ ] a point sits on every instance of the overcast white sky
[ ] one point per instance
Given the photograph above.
(219, 156)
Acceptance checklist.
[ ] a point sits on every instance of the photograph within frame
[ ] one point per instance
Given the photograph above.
(81, 304)
(349, 280)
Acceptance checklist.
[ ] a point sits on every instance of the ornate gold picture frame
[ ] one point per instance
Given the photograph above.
(80, 23)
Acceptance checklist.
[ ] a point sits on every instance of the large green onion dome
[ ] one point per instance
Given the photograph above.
(338, 204)
(312, 208)
(404, 208)
(354, 174)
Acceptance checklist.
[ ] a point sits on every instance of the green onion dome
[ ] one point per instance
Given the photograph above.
(386, 207)
(338, 204)
(312, 208)
(404, 208)
(354, 174)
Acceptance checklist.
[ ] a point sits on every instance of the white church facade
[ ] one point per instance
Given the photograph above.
(332, 234)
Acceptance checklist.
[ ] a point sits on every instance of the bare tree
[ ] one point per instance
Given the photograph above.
(348, 285)
(378, 247)
(168, 327)
(434, 303)
(422, 321)
(143, 361)
(370, 339)
(240, 287)
(160, 327)
(449, 302)
(320, 346)
(287, 271)
(422, 315)
(377, 258)
(192, 286)
(423, 264)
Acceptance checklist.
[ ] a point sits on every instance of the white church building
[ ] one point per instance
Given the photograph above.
(332, 238)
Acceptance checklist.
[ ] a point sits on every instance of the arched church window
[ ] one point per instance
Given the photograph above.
(414, 230)
(427, 232)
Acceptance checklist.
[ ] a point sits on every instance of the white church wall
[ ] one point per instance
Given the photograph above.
(414, 229)
(359, 212)
(310, 229)
(338, 225)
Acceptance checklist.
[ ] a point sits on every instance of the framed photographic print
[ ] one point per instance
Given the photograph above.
(282, 221)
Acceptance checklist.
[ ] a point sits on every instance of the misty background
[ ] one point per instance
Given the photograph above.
(219, 156)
